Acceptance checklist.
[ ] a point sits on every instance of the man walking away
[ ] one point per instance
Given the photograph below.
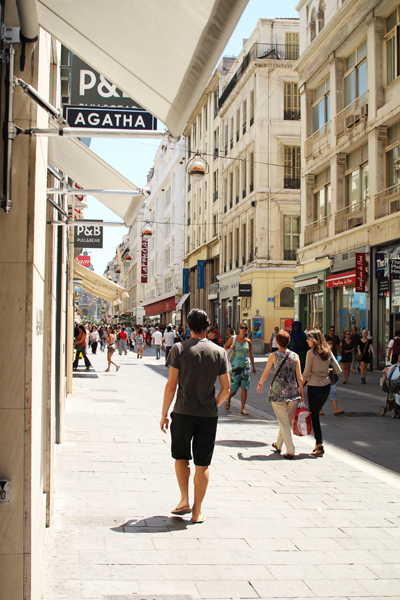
(168, 339)
(123, 341)
(355, 338)
(196, 364)
(156, 340)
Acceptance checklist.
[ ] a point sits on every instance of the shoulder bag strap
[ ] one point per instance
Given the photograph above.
(280, 368)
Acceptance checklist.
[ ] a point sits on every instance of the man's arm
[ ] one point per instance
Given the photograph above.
(223, 393)
(169, 394)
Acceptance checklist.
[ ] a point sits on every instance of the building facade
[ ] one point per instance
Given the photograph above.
(349, 87)
(244, 217)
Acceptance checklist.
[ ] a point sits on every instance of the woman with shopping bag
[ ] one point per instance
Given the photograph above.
(285, 391)
(318, 362)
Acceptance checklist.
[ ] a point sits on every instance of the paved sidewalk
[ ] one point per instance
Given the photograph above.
(308, 528)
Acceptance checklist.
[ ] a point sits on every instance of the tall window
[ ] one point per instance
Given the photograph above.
(215, 102)
(188, 244)
(357, 188)
(194, 136)
(232, 134)
(225, 192)
(292, 161)
(216, 144)
(237, 247)
(286, 298)
(292, 237)
(322, 195)
(392, 45)
(205, 117)
(226, 139)
(251, 174)
(292, 45)
(355, 78)
(215, 194)
(189, 212)
(252, 240)
(225, 252)
(251, 115)
(244, 242)
(231, 189)
(322, 104)
(244, 179)
(393, 155)
(291, 101)
(230, 250)
(244, 116)
(237, 182)
(189, 146)
(215, 224)
(238, 124)
(200, 126)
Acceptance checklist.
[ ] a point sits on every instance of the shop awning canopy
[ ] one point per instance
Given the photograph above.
(160, 53)
(98, 285)
(182, 301)
(87, 169)
(341, 279)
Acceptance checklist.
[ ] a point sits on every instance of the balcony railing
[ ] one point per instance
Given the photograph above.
(215, 196)
(351, 116)
(350, 217)
(317, 141)
(316, 231)
(289, 255)
(269, 51)
(291, 184)
(291, 115)
(387, 202)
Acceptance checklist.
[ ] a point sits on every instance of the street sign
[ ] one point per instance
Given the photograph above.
(88, 236)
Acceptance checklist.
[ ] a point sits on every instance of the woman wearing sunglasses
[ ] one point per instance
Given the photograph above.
(346, 350)
(242, 364)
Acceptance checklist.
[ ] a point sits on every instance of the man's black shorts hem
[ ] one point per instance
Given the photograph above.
(193, 433)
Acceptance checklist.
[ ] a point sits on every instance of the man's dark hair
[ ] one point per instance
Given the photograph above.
(169, 328)
(197, 320)
(397, 333)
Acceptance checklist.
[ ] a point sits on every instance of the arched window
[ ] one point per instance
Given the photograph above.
(312, 31)
(286, 298)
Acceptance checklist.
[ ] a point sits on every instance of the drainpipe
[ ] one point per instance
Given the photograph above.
(8, 129)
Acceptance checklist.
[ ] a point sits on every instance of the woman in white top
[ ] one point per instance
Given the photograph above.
(94, 339)
(110, 341)
(316, 373)
(273, 346)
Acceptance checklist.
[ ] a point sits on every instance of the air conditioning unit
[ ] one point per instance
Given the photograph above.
(354, 222)
(394, 206)
(360, 114)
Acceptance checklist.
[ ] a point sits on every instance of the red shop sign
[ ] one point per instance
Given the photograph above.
(341, 279)
(83, 260)
(162, 306)
(143, 260)
(360, 272)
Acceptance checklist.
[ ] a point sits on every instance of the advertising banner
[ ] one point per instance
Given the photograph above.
(83, 260)
(381, 265)
(143, 260)
(200, 274)
(395, 268)
(383, 288)
(360, 272)
(185, 281)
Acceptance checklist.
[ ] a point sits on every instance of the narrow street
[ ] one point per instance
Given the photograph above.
(308, 528)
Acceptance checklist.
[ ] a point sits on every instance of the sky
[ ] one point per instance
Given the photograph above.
(134, 158)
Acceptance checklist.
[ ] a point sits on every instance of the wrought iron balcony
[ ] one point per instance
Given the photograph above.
(291, 115)
(292, 184)
(387, 202)
(350, 217)
(290, 255)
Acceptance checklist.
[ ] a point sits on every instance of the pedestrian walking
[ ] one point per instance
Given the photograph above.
(394, 348)
(242, 364)
(273, 345)
(298, 342)
(285, 391)
(346, 349)
(80, 346)
(139, 339)
(194, 366)
(333, 341)
(168, 341)
(316, 373)
(156, 341)
(355, 338)
(94, 339)
(333, 390)
(364, 348)
(103, 335)
(111, 341)
(123, 341)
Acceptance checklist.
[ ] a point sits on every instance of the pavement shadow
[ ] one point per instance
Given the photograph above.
(156, 524)
(76, 375)
(272, 457)
(160, 369)
(240, 443)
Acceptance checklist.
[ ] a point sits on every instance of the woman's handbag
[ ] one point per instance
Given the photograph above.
(302, 424)
(360, 355)
(333, 377)
(231, 350)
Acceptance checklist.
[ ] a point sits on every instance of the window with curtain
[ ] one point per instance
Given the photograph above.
(357, 187)
(322, 195)
(355, 78)
(322, 105)
(292, 160)
(291, 110)
(292, 237)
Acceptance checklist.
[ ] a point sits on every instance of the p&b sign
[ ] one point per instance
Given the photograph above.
(88, 236)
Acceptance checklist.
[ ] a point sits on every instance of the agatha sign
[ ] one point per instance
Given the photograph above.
(109, 118)
(88, 236)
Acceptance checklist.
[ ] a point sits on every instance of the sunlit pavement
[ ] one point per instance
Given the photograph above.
(308, 528)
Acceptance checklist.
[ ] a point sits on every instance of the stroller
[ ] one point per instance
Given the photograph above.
(390, 384)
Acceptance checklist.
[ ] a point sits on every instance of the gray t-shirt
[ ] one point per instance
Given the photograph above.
(200, 362)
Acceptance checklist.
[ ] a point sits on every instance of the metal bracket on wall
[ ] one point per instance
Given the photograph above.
(10, 35)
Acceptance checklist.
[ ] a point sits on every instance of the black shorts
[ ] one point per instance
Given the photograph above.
(186, 429)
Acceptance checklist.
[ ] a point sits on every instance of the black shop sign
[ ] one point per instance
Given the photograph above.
(88, 236)
(245, 290)
(103, 117)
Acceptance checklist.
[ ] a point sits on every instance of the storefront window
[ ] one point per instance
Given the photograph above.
(316, 310)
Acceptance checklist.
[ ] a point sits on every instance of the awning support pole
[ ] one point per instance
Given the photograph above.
(9, 132)
(81, 192)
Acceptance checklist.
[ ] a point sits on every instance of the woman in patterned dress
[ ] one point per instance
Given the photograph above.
(285, 392)
(242, 364)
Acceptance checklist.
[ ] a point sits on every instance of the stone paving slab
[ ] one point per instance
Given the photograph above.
(304, 529)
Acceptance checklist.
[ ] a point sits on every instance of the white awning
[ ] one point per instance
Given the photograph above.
(99, 286)
(87, 169)
(305, 282)
(160, 53)
(182, 301)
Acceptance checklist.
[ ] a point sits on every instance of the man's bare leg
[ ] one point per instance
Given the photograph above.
(182, 470)
(201, 479)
